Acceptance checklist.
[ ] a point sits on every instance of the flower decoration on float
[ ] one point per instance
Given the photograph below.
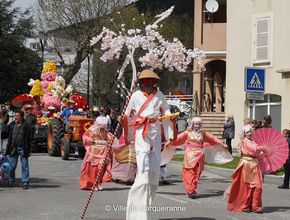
(49, 67)
(36, 89)
(80, 102)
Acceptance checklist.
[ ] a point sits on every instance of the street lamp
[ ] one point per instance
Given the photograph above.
(41, 41)
(88, 81)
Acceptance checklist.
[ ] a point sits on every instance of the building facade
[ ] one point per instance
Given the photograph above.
(258, 37)
(210, 35)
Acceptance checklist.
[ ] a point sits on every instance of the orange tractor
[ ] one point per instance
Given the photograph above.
(60, 142)
(72, 140)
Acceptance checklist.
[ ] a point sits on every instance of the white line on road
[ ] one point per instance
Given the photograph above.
(177, 200)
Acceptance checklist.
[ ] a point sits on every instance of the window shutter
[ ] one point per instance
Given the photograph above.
(262, 37)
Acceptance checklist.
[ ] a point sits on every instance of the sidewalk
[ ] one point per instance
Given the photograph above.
(268, 179)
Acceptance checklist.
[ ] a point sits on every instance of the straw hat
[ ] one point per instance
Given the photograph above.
(145, 74)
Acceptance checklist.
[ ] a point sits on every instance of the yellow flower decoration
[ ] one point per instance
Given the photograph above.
(37, 89)
(50, 86)
(49, 67)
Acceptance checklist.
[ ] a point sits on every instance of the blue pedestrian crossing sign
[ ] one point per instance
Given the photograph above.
(254, 79)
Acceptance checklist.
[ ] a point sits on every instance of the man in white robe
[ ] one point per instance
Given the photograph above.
(149, 104)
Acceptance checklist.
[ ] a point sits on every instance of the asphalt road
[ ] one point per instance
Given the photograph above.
(54, 194)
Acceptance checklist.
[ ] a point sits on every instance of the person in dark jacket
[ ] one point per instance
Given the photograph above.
(285, 184)
(19, 143)
(31, 120)
(229, 132)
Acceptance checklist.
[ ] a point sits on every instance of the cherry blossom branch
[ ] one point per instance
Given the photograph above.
(159, 53)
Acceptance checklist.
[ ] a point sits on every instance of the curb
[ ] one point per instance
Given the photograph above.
(268, 179)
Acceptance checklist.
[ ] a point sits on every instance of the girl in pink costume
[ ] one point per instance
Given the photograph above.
(96, 140)
(194, 140)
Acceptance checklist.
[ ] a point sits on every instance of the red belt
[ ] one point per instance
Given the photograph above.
(144, 121)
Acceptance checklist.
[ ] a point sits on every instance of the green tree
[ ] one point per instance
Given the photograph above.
(17, 63)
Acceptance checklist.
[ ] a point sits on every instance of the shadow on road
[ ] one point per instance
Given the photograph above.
(43, 186)
(38, 183)
(211, 194)
(172, 181)
(271, 209)
(214, 180)
(171, 193)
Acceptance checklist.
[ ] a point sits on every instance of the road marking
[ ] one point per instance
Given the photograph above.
(178, 200)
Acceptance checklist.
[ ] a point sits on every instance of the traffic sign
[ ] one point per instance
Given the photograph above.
(255, 96)
(254, 79)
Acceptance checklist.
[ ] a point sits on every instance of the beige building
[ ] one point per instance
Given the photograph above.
(209, 86)
(258, 36)
(240, 34)
(210, 36)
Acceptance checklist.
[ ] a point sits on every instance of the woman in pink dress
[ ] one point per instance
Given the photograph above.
(245, 192)
(95, 140)
(194, 140)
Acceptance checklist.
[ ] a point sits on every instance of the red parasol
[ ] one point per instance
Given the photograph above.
(80, 102)
(22, 99)
(276, 148)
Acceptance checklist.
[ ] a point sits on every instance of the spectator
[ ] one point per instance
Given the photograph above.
(285, 184)
(95, 112)
(247, 121)
(1, 127)
(267, 121)
(19, 144)
(4, 128)
(256, 124)
(31, 120)
(113, 121)
(229, 132)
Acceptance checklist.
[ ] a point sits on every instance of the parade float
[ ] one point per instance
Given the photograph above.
(48, 96)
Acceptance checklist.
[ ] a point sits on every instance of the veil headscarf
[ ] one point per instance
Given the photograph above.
(196, 120)
(101, 122)
(246, 129)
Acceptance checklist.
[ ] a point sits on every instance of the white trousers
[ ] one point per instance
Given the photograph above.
(141, 195)
(163, 173)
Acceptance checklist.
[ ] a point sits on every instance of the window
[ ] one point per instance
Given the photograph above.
(34, 46)
(262, 39)
(270, 106)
